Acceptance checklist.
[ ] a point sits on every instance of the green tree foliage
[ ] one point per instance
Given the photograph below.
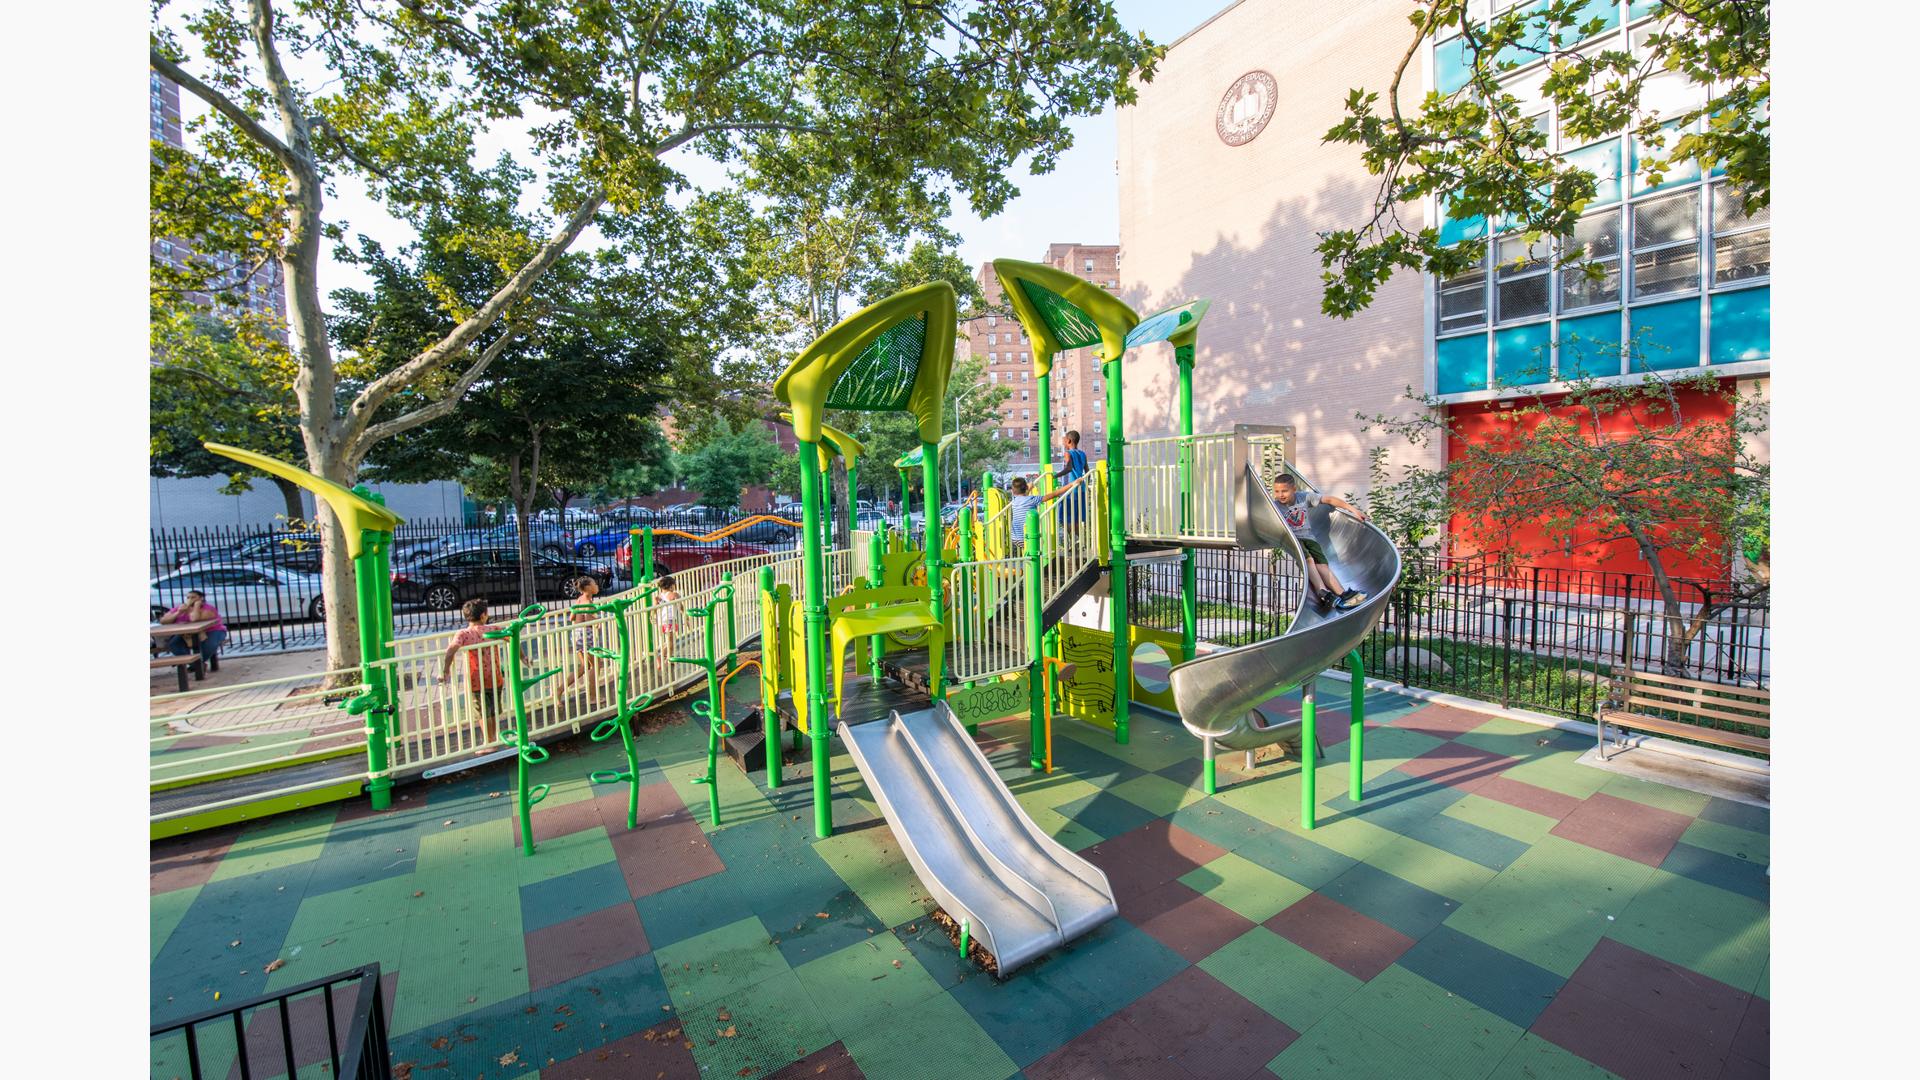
(889, 435)
(219, 380)
(912, 102)
(1602, 466)
(728, 461)
(1479, 150)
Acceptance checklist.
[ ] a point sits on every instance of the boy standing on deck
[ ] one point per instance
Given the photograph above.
(1292, 504)
(484, 677)
(1077, 467)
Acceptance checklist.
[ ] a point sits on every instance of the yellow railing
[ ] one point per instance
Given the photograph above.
(988, 629)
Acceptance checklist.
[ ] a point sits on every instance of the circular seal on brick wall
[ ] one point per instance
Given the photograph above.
(1246, 107)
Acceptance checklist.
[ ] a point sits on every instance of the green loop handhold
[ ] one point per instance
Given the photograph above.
(609, 776)
(604, 654)
(536, 793)
(534, 754)
(703, 779)
(606, 729)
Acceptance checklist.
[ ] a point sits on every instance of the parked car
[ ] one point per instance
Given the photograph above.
(766, 532)
(629, 516)
(242, 593)
(446, 580)
(550, 539)
(674, 558)
(603, 541)
(295, 550)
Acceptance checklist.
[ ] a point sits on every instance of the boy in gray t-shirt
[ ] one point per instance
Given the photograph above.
(1292, 504)
(1023, 501)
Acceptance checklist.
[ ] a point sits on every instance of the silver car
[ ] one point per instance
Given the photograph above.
(244, 592)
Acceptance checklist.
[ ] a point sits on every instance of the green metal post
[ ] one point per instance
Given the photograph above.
(624, 707)
(1309, 753)
(906, 504)
(379, 706)
(1037, 703)
(1356, 723)
(1189, 565)
(1117, 551)
(876, 577)
(963, 612)
(646, 552)
(1212, 777)
(769, 704)
(814, 607)
(1045, 394)
(930, 485)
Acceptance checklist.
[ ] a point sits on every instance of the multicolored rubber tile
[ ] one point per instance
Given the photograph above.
(1490, 908)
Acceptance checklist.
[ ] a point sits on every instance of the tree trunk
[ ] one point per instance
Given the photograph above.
(842, 498)
(290, 496)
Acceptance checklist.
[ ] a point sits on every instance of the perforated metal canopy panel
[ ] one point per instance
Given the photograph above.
(1070, 326)
(881, 377)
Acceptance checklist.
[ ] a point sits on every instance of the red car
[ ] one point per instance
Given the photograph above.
(675, 558)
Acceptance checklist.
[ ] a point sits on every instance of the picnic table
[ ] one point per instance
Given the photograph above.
(180, 664)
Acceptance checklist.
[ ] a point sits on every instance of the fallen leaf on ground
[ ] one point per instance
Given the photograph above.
(441, 1043)
(724, 1016)
(728, 1032)
(276, 965)
(511, 1057)
(418, 893)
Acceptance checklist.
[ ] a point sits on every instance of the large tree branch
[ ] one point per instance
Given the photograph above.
(360, 413)
(219, 384)
(224, 105)
(280, 85)
(440, 406)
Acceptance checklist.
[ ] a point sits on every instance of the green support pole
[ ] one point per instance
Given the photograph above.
(1212, 777)
(1309, 753)
(876, 577)
(625, 706)
(929, 482)
(769, 704)
(963, 612)
(1117, 551)
(814, 606)
(1037, 703)
(374, 702)
(644, 572)
(1045, 394)
(710, 709)
(1189, 565)
(906, 505)
(527, 752)
(1356, 724)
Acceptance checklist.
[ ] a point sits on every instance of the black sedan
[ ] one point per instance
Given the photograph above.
(443, 582)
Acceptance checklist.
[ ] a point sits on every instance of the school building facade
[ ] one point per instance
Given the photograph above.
(1225, 184)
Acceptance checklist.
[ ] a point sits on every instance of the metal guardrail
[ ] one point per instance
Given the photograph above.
(281, 1035)
(989, 623)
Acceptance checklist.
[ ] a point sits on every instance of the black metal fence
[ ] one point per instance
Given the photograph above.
(332, 1026)
(1536, 638)
(265, 580)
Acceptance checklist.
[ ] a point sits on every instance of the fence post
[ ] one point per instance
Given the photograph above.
(1506, 649)
(1039, 709)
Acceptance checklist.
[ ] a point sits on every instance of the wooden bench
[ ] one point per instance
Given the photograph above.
(180, 664)
(1668, 705)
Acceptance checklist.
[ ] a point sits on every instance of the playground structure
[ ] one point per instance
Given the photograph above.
(899, 644)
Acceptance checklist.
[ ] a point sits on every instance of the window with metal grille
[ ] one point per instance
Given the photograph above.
(1742, 248)
(1522, 279)
(1595, 243)
(1666, 245)
(1463, 301)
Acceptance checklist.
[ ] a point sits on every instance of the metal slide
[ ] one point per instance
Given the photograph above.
(1216, 693)
(1019, 891)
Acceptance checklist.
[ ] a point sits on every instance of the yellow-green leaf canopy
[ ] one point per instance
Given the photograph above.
(837, 442)
(355, 513)
(893, 356)
(1061, 311)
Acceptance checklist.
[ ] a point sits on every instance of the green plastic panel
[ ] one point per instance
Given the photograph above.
(1667, 336)
(880, 379)
(1460, 364)
(1074, 329)
(1590, 345)
(1741, 326)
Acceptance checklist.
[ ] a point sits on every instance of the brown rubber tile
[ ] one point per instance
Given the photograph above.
(1150, 856)
(664, 854)
(587, 943)
(307, 1020)
(829, 1063)
(1740, 1068)
(189, 860)
(1113, 1049)
(1439, 721)
(658, 1053)
(1631, 1043)
(1185, 921)
(552, 823)
(1208, 1029)
(1623, 827)
(1684, 998)
(1457, 765)
(1754, 1038)
(1352, 942)
(1527, 796)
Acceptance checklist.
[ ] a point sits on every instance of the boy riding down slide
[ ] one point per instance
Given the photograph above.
(1293, 503)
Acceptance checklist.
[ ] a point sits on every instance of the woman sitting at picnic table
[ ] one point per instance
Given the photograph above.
(196, 609)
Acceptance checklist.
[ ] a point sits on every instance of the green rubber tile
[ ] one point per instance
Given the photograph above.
(1534, 1058)
(740, 801)
(719, 963)
(1675, 799)
(1519, 739)
(1219, 824)
(1351, 835)
(1715, 932)
(1057, 824)
(454, 848)
(767, 1026)
(1244, 887)
(1561, 772)
(1549, 920)
(1601, 879)
(1431, 868)
(1341, 1047)
(1728, 840)
(1050, 792)
(464, 949)
(164, 912)
(1157, 794)
(318, 957)
(934, 1040)
(1738, 815)
(1764, 988)
(871, 863)
(1291, 984)
(1501, 818)
(279, 841)
(386, 900)
(1389, 746)
(1150, 746)
(1274, 798)
(1455, 1037)
(877, 977)
(563, 855)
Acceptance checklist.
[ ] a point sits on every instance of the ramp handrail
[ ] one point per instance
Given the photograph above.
(1008, 874)
(989, 618)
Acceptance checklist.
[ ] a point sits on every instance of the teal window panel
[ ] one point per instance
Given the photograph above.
(1602, 159)
(1666, 336)
(1607, 11)
(1590, 346)
(1740, 326)
(1461, 364)
(1450, 67)
(1640, 9)
(1523, 354)
(1453, 230)
(1679, 172)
